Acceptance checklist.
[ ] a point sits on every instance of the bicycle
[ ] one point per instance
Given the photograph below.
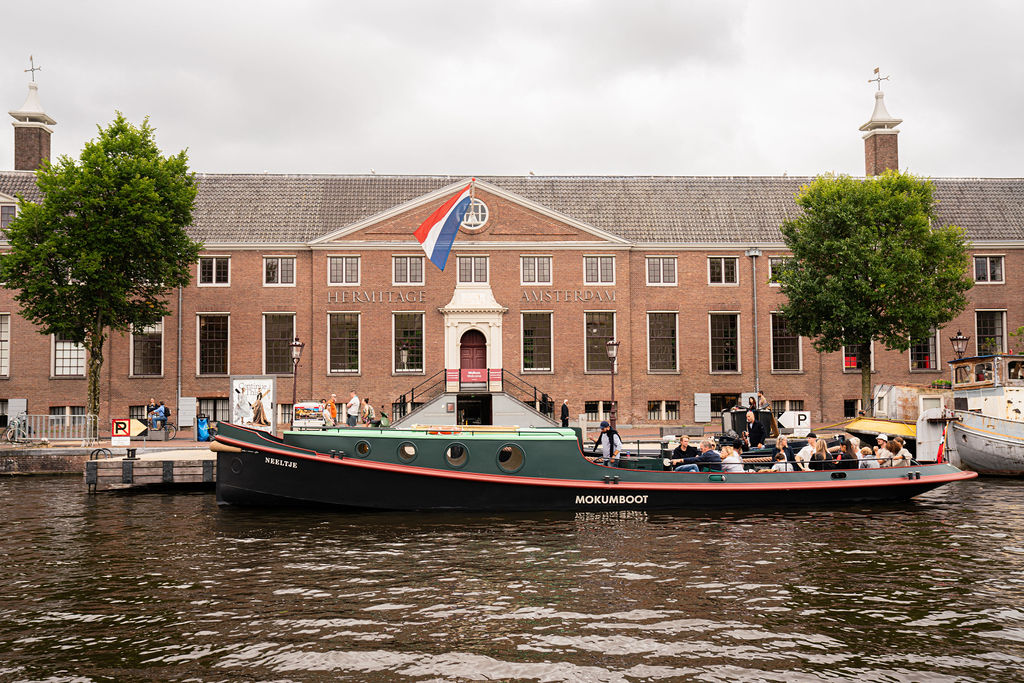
(170, 428)
(17, 430)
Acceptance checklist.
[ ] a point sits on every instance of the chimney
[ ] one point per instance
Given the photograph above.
(31, 132)
(881, 152)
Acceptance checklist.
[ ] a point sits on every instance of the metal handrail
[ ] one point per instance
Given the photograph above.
(26, 428)
(405, 404)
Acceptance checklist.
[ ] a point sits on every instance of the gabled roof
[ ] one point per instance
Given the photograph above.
(263, 208)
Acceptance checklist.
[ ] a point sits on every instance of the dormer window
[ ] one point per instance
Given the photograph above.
(7, 214)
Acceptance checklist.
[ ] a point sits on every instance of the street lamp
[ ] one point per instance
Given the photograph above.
(296, 347)
(959, 342)
(611, 347)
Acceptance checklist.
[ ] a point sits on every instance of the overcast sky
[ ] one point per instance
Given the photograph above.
(620, 87)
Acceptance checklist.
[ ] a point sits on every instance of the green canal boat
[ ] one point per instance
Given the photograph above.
(448, 468)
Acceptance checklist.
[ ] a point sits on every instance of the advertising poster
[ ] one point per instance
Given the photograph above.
(308, 415)
(253, 401)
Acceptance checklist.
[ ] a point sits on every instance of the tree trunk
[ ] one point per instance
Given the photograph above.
(94, 365)
(865, 380)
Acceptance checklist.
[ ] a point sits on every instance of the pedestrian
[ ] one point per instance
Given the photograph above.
(565, 413)
(158, 418)
(352, 409)
(762, 402)
(332, 406)
(367, 415)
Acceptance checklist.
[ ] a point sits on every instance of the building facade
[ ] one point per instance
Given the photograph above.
(544, 271)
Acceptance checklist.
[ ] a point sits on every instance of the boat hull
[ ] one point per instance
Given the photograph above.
(269, 472)
(989, 445)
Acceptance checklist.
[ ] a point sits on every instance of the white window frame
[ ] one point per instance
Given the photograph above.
(723, 258)
(131, 352)
(771, 349)
(615, 335)
(938, 356)
(770, 259)
(410, 283)
(283, 257)
(856, 371)
(199, 270)
(650, 371)
(538, 282)
(4, 201)
(359, 340)
(988, 269)
(472, 281)
(53, 359)
(739, 344)
(977, 337)
(661, 271)
(551, 344)
(227, 370)
(923, 397)
(5, 347)
(394, 360)
(263, 342)
(359, 270)
(598, 281)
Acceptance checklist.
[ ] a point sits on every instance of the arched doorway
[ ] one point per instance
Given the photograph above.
(473, 350)
(473, 408)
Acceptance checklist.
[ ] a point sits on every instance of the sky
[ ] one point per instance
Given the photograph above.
(553, 87)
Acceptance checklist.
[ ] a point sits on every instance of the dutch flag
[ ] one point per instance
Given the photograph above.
(437, 233)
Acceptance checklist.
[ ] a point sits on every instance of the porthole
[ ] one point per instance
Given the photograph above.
(511, 458)
(363, 449)
(406, 451)
(475, 217)
(456, 454)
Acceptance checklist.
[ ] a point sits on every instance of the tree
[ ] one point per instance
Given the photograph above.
(106, 245)
(871, 263)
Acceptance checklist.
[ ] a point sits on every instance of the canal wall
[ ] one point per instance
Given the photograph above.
(15, 461)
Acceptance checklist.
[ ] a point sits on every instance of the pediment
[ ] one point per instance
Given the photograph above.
(511, 218)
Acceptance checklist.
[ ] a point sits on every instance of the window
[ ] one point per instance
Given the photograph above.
(343, 270)
(278, 332)
(407, 270)
(663, 410)
(536, 342)
(214, 270)
(988, 269)
(661, 270)
(213, 344)
(785, 346)
(535, 270)
(599, 270)
(408, 351)
(279, 270)
(7, 214)
(990, 326)
(775, 264)
(343, 342)
(138, 413)
(473, 269)
(598, 410)
(924, 353)
(215, 409)
(853, 357)
(67, 415)
(147, 351)
(68, 357)
(5, 344)
(475, 216)
(851, 407)
(723, 270)
(600, 328)
(725, 338)
(284, 413)
(779, 407)
(720, 402)
(661, 342)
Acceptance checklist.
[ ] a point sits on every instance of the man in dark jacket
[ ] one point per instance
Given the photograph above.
(708, 459)
(565, 413)
(754, 436)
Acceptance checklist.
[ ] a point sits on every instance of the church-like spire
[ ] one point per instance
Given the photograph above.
(31, 129)
(881, 151)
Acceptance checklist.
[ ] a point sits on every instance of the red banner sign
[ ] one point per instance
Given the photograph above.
(475, 375)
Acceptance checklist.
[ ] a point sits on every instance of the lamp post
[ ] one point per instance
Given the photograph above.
(959, 342)
(611, 347)
(296, 347)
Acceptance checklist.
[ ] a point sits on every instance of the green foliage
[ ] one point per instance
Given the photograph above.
(107, 243)
(870, 262)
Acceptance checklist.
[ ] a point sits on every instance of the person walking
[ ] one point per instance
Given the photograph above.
(565, 413)
(352, 409)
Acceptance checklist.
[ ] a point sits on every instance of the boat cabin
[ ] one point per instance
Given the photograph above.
(993, 385)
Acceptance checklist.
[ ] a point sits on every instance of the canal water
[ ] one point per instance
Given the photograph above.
(167, 586)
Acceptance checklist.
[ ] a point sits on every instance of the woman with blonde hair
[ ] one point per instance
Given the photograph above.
(732, 461)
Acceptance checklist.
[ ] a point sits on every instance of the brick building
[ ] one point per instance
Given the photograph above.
(544, 271)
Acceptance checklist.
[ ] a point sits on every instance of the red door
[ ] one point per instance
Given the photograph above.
(473, 354)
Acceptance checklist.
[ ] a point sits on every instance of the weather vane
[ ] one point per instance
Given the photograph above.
(35, 68)
(878, 79)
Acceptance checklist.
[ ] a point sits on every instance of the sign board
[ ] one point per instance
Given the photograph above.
(121, 441)
(797, 420)
(127, 428)
(474, 375)
(253, 401)
(307, 415)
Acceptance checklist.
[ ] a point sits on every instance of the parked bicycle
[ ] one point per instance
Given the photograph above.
(171, 429)
(18, 430)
